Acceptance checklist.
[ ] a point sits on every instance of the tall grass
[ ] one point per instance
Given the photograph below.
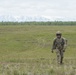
(39, 67)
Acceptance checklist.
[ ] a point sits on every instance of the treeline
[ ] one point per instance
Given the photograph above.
(40, 23)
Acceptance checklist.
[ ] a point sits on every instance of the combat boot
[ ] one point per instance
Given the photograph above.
(61, 61)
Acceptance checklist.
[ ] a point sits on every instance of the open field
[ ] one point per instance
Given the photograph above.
(26, 50)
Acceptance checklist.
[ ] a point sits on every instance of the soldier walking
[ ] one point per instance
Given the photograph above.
(59, 45)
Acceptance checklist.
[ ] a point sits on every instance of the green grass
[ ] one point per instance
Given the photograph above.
(26, 50)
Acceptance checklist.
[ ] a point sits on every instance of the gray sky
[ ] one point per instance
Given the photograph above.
(48, 8)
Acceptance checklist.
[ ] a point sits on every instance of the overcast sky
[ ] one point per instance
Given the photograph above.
(48, 8)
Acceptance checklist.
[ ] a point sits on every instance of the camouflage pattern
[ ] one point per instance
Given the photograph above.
(59, 44)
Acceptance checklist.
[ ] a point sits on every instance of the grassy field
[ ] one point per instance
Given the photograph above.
(26, 50)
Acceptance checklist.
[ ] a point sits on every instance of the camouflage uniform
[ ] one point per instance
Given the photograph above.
(60, 45)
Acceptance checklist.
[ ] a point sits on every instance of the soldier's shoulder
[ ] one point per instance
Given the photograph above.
(55, 39)
(64, 38)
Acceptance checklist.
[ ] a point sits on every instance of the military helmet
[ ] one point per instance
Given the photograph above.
(58, 33)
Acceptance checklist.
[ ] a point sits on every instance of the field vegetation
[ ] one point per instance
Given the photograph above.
(26, 50)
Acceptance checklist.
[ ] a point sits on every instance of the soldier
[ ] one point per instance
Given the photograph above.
(59, 44)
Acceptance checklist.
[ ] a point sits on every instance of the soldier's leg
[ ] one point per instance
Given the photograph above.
(58, 55)
(61, 55)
